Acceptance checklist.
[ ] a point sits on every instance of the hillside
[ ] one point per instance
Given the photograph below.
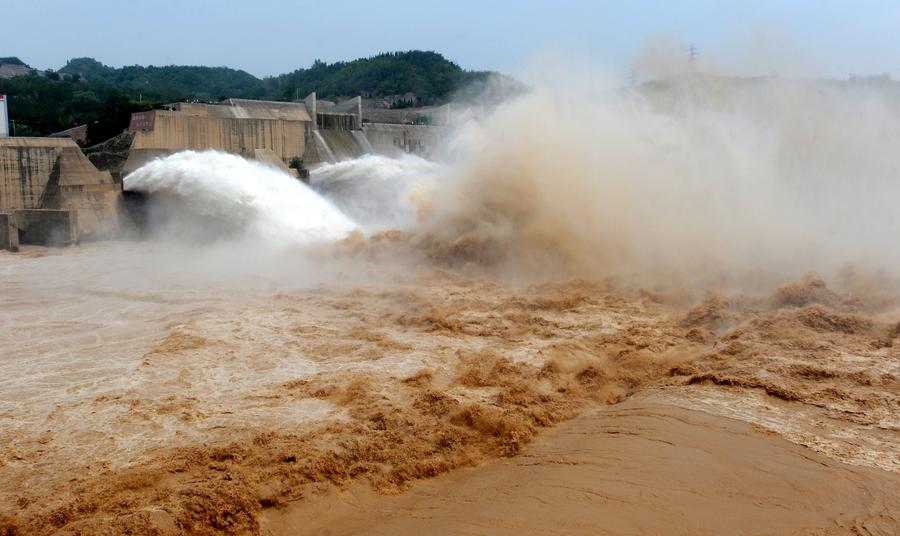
(169, 83)
(428, 75)
(85, 91)
(12, 67)
(11, 60)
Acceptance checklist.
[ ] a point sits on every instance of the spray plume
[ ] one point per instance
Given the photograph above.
(697, 177)
(378, 192)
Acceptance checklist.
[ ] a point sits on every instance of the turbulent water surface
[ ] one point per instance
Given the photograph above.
(627, 264)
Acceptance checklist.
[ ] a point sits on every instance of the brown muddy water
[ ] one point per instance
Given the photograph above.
(146, 389)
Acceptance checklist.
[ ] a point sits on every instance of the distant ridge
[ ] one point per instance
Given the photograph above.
(85, 91)
(428, 75)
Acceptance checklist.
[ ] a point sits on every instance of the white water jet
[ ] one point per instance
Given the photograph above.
(378, 192)
(215, 193)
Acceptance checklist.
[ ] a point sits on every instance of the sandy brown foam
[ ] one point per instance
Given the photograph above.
(233, 406)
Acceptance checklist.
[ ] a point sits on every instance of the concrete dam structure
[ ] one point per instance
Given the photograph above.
(236, 126)
(279, 133)
(48, 187)
(50, 193)
(343, 131)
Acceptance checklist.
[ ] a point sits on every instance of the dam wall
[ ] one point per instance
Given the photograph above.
(320, 145)
(313, 130)
(394, 140)
(237, 126)
(9, 232)
(434, 115)
(334, 145)
(47, 227)
(337, 145)
(175, 132)
(337, 121)
(53, 173)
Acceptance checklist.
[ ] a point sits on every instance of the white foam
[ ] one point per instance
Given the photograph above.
(378, 192)
(230, 193)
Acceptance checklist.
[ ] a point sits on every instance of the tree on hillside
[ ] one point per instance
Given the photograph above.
(113, 118)
(430, 76)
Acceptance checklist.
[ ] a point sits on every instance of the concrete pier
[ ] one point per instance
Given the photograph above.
(53, 173)
(9, 232)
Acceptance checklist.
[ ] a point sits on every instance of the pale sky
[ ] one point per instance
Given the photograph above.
(267, 37)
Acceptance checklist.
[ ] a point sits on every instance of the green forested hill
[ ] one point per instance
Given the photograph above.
(427, 74)
(169, 83)
(87, 91)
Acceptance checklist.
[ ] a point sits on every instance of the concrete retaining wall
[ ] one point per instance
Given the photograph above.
(335, 121)
(393, 140)
(176, 131)
(9, 232)
(436, 115)
(342, 145)
(27, 167)
(334, 145)
(47, 227)
(311, 107)
(98, 207)
(53, 173)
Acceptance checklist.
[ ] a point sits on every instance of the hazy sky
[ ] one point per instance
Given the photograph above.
(265, 37)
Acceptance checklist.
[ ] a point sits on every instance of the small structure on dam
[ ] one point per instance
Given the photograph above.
(50, 193)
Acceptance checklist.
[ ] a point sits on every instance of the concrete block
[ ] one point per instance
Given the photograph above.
(9, 232)
(47, 227)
